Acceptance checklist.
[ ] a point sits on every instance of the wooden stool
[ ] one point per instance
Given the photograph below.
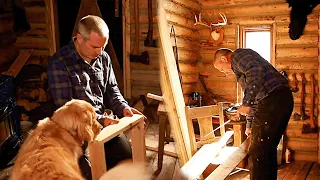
(96, 147)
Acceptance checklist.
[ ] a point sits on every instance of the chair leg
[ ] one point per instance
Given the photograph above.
(162, 127)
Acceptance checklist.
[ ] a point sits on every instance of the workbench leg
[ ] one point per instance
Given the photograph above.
(138, 143)
(239, 137)
(162, 127)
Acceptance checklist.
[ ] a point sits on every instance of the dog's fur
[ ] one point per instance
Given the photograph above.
(52, 150)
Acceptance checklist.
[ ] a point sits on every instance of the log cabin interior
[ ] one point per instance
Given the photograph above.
(162, 54)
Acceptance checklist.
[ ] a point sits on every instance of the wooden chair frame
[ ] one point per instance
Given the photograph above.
(96, 148)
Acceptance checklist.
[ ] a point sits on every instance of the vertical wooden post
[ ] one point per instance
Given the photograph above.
(126, 47)
(138, 143)
(318, 88)
(221, 119)
(97, 158)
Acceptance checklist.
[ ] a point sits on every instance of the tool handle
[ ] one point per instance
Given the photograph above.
(312, 124)
(135, 50)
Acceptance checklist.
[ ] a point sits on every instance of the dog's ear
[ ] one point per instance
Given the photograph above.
(85, 125)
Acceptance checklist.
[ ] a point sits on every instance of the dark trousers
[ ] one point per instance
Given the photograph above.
(269, 123)
(116, 150)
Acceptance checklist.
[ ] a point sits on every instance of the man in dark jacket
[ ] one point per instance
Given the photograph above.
(267, 101)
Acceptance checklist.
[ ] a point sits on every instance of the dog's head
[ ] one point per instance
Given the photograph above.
(79, 118)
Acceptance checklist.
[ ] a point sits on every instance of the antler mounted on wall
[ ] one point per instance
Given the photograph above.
(215, 28)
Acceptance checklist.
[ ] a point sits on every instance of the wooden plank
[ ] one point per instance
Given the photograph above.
(226, 167)
(19, 63)
(314, 173)
(230, 3)
(318, 89)
(283, 171)
(53, 30)
(97, 159)
(302, 174)
(203, 157)
(170, 85)
(203, 111)
(124, 124)
(138, 143)
(126, 47)
(294, 169)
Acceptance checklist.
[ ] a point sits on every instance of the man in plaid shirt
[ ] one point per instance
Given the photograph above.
(268, 102)
(83, 70)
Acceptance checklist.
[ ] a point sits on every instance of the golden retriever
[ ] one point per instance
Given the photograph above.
(52, 150)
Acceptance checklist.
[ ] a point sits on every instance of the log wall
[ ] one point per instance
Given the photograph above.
(292, 56)
(145, 78)
(8, 51)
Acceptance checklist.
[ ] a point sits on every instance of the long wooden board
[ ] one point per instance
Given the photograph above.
(226, 167)
(19, 63)
(170, 86)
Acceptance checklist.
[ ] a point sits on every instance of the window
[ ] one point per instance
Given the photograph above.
(258, 39)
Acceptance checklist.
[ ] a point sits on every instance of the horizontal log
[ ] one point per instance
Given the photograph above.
(220, 84)
(177, 9)
(37, 32)
(190, 4)
(297, 65)
(33, 3)
(295, 131)
(36, 15)
(142, 48)
(229, 30)
(230, 3)
(41, 52)
(305, 156)
(182, 31)
(254, 20)
(225, 44)
(189, 78)
(188, 67)
(153, 66)
(188, 88)
(188, 56)
(136, 91)
(180, 20)
(250, 11)
(8, 54)
(7, 38)
(312, 18)
(296, 52)
(306, 39)
(188, 44)
(6, 25)
(309, 28)
(39, 60)
(301, 144)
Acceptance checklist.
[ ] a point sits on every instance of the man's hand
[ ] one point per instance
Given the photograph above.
(243, 110)
(109, 121)
(128, 112)
(248, 131)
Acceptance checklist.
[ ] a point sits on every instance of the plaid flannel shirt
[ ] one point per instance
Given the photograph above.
(256, 76)
(71, 77)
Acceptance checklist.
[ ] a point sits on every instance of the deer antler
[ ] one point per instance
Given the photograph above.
(224, 18)
(200, 22)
